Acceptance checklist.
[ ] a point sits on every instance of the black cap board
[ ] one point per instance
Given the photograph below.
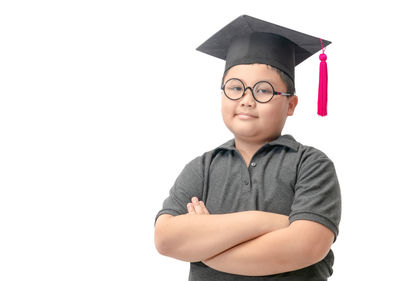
(248, 40)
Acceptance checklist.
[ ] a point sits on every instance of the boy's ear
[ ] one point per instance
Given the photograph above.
(292, 104)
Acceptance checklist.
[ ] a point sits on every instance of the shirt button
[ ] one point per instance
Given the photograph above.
(246, 182)
(253, 164)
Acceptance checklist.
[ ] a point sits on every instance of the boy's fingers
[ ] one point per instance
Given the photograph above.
(197, 208)
(203, 206)
(190, 209)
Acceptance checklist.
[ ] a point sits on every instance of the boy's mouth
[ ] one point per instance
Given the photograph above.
(243, 115)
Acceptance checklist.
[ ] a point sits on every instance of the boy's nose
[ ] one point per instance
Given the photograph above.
(247, 98)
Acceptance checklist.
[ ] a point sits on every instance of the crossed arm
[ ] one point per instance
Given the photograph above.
(249, 243)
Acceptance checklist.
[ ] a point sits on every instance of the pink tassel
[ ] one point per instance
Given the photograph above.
(323, 85)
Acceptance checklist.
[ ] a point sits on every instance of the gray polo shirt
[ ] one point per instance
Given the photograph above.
(284, 177)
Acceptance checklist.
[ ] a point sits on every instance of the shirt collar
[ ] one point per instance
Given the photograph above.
(283, 140)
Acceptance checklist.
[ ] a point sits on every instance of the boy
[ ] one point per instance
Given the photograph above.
(261, 206)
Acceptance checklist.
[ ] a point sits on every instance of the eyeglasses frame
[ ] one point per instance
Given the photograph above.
(274, 93)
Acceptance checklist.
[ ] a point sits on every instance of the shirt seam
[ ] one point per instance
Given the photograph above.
(303, 164)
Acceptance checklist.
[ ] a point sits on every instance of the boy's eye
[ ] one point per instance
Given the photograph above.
(239, 89)
(264, 91)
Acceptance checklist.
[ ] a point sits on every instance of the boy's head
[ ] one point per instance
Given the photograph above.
(266, 120)
(248, 45)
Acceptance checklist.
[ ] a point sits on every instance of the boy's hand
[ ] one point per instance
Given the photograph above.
(197, 207)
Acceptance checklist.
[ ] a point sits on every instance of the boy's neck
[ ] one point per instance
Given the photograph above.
(248, 147)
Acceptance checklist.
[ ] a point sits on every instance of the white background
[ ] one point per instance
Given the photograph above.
(88, 152)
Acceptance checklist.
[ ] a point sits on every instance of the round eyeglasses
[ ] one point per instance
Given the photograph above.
(262, 91)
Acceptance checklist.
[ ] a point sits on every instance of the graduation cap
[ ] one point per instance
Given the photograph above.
(248, 40)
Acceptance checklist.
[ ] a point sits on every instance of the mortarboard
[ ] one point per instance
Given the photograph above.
(248, 40)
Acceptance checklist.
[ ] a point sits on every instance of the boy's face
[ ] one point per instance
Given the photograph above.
(268, 118)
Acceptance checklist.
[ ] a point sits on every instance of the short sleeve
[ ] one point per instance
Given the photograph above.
(189, 183)
(317, 192)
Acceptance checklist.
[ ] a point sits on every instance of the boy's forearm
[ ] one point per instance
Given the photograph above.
(198, 237)
(291, 248)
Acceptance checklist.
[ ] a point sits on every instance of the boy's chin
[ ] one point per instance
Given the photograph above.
(243, 133)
